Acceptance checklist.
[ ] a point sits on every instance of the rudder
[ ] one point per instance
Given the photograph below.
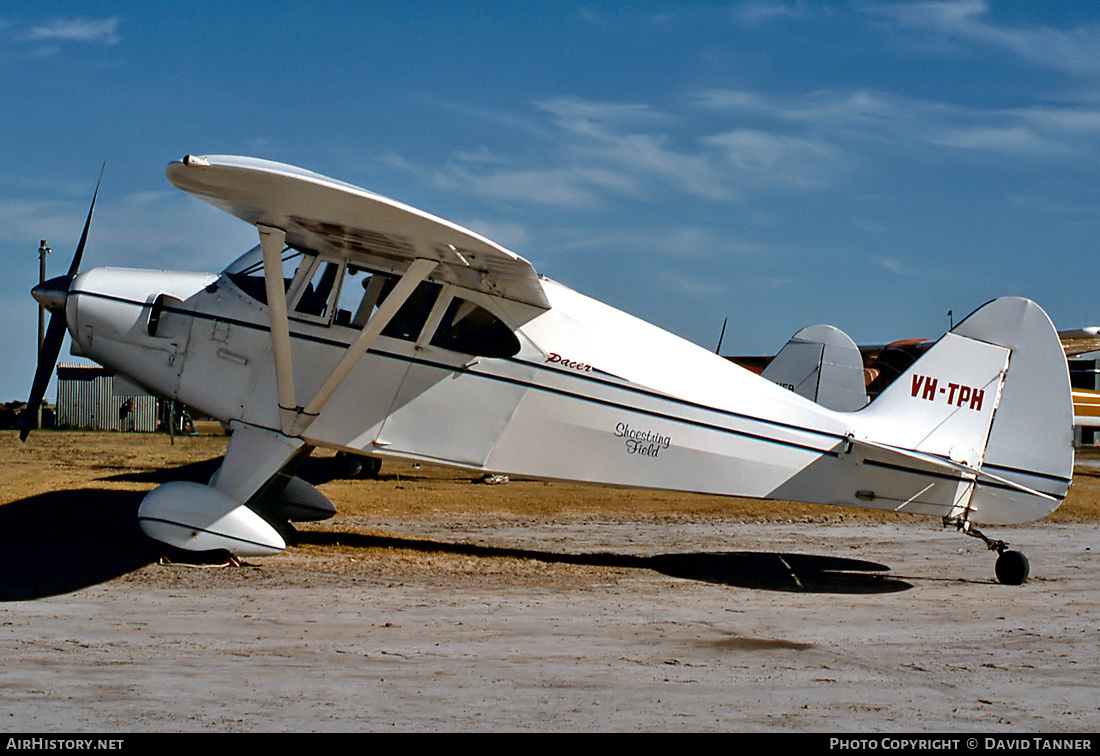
(1031, 441)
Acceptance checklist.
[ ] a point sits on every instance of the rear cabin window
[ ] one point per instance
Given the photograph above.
(471, 329)
(410, 319)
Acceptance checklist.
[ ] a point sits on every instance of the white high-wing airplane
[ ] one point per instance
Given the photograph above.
(362, 325)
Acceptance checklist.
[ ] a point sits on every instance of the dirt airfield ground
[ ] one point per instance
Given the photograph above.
(433, 602)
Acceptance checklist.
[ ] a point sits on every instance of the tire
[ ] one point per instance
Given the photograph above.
(1012, 568)
(354, 466)
(348, 465)
(371, 467)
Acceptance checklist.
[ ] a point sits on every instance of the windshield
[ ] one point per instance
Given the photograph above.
(247, 271)
(249, 259)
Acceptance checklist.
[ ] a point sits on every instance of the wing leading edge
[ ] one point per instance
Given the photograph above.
(330, 216)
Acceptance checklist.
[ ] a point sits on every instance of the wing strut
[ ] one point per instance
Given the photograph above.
(273, 240)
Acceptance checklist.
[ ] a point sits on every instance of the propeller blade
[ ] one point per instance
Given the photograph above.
(47, 358)
(74, 266)
(55, 332)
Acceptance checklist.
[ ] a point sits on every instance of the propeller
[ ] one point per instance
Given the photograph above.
(52, 295)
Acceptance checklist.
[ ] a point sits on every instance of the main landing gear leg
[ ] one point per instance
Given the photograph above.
(1012, 567)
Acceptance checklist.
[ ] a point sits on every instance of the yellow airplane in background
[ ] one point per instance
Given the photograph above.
(1086, 408)
(1086, 403)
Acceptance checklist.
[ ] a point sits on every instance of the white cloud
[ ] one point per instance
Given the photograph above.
(145, 229)
(510, 235)
(640, 160)
(593, 154)
(841, 124)
(169, 230)
(689, 285)
(1016, 140)
(594, 117)
(687, 242)
(543, 186)
(758, 12)
(737, 147)
(894, 265)
(98, 31)
(1075, 50)
(1066, 120)
(22, 220)
(777, 160)
(596, 151)
(731, 100)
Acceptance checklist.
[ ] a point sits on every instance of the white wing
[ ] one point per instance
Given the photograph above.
(330, 216)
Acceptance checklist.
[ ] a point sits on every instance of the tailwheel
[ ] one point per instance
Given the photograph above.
(1012, 567)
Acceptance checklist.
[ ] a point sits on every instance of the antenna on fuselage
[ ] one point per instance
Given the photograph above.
(721, 336)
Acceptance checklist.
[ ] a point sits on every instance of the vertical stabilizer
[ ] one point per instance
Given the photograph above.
(991, 400)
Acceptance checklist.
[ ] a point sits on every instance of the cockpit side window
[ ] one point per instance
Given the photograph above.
(311, 290)
(317, 292)
(359, 297)
(363, 291)
(464, 327)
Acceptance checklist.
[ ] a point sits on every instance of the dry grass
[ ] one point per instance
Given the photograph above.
(55, 461)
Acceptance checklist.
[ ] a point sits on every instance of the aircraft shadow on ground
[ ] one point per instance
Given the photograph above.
(63, 541)
(800, 573)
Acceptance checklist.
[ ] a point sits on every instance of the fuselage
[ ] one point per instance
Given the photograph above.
(591, 394)
(578, 392)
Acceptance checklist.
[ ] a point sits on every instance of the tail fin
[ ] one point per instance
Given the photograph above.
(989, 403)
(823, 364)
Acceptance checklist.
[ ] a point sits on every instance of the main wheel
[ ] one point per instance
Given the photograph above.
(1012, 568)
(355, 466)
(371, 467)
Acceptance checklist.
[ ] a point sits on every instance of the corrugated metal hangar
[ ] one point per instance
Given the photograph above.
(88, 398)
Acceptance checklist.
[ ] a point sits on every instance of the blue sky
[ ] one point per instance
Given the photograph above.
(867, 165)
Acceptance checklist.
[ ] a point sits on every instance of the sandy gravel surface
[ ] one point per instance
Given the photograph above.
(436, 603)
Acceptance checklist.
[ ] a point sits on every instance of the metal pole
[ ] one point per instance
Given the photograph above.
(43, 250)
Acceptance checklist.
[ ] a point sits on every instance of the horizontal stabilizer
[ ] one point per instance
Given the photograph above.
(883, 453)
